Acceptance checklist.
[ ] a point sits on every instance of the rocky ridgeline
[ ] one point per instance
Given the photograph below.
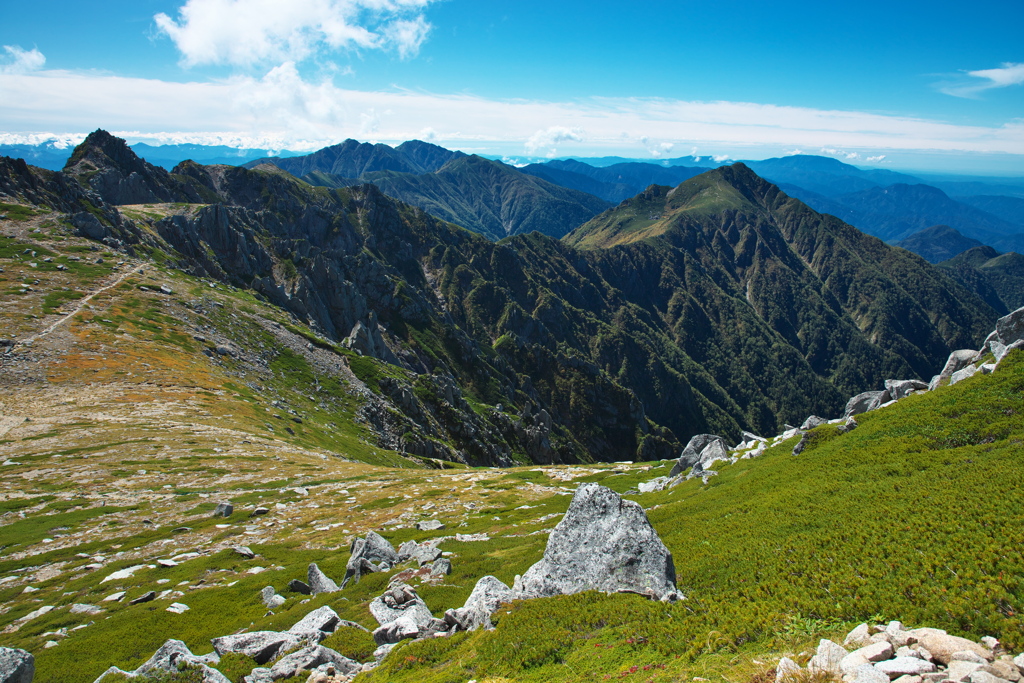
(602, 543)
(880, 654)
(704, 450)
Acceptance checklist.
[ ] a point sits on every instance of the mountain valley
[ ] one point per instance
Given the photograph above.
(334, 359)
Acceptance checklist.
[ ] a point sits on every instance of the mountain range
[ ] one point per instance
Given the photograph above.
(719, 305)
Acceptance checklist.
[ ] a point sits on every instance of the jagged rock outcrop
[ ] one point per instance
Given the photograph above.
(371, 554)
(602, 543)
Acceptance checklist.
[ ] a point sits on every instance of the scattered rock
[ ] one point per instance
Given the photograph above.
(394, 631)
(787, 669)
(145, 597)
(441, 567)
(812, 422)
(901, 388)
(178, 608)
(296, 586)
(1010, 328)
(828, 657)
(115, 597)
(904, 666)
(263, 646)
(270, 598)
(961, 375)
(400, 600)
(692, 452)
(942, 645)
(367, 556)
(311, 657)
(318, 581)
(79, 608)
(16, 666)
(224, 510)
(429, 525)
(862, 403)
(956, 361)
(858, 637)
(488, 594)
(244, 552)
(259, 511)
(321, 619)
(602, 543)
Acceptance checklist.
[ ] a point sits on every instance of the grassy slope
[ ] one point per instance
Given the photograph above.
(911, 517)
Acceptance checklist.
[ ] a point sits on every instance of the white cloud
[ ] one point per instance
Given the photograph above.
(284, 110)
(793, 152)
(1006, 75)
(407, 35)
(22, 61)
(249, 32)
(851, 155)
(719, 158)
(546, 140)
(876, 159)
(428, 135)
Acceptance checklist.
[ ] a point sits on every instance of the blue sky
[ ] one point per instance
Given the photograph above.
(923, 86)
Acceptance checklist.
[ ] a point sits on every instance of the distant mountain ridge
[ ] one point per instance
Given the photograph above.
(352, 159)
(938, 243)
(484, 195)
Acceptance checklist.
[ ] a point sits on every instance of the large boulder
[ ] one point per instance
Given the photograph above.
(900, 388)
(16, 666)
(862, 403)
(1010, 327)
(423, 554)
(942, 646)
(957, 361)
(602, 543)
(828, 658)
(321, 619)
(691, 455)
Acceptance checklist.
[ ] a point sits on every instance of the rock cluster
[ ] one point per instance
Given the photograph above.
(880, 654)
(295, 650)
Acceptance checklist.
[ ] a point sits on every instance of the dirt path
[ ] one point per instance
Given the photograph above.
(81, 303)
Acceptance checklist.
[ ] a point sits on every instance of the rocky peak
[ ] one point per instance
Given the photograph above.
(107, 165)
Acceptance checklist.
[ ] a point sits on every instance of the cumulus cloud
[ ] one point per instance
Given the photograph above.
(972, 83)
(793, 152)
(21, 61)
(719, 158)
(546, 140)
(249, 32)
(875, 159)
